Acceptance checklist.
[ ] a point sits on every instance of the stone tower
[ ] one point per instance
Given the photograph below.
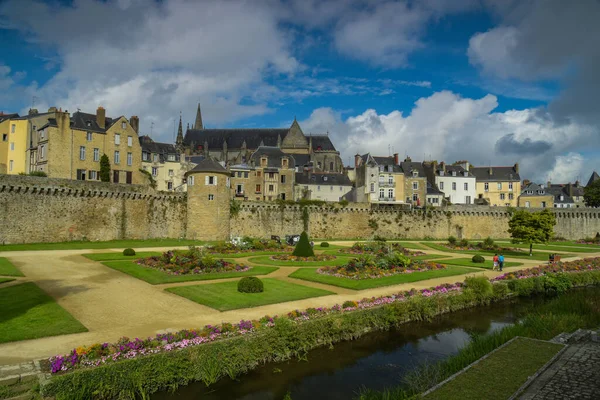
(208, 197)
(198, 124)
(179, 141)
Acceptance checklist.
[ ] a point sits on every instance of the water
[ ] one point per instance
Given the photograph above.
(376, 361)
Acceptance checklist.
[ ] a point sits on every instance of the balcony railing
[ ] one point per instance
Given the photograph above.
(386, 183)
(387, 199)
(239, 194)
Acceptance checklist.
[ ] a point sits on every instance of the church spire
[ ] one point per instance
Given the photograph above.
(179, 141)
(198, 124)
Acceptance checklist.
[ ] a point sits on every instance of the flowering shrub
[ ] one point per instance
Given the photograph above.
(369, 267)
(589, 240)
(380, 248)
(248, 245)
(586, 264)
(192, 261)
(289, 257)
(125, 348)
(464, 245)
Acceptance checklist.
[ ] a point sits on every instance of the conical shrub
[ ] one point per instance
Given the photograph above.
(303, 247)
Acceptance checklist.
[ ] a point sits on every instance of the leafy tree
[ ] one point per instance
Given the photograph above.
(591, 194)
(104, 168)
(303, 247)
(536, 227)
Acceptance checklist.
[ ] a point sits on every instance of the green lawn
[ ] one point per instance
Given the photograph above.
(501, 374)
(7, 269)
(224, 296)
(266, 260)
(4, 280)
(310, 274)
(247, 254)
(29, 313)
(101, 245)
(488, 264)
(120, 256)
(509, 254)
(554, 247)
(155, 277)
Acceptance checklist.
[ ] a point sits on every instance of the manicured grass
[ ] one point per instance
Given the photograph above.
(248, 254)
(552, 247)
(513, 254)
(413, 245)
(100, 245)
(501, 374)
(29, 313)
(266, 260)
(155, 277)
(488, 264)
(331, 247)
(224, 296)
(120, 256)
(7, 269)
(310, 274)
(4, 280)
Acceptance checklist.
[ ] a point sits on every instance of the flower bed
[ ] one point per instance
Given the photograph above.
(248, 246)
(99, 354)
(589, 241)
(193, 261)
(480, 246)
(316, 258)
(586, 264)
(351, 271)
(380, 248)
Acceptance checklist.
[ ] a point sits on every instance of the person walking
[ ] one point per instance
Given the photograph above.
(495, 262)
(501, 261)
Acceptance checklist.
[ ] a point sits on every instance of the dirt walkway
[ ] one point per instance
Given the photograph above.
(112, 304)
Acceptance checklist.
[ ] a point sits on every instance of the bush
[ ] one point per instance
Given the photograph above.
(480, 286)
(324, 244)
(452, 240)
(250, 284)
(478, 259)
(500, 290)
(464, 243)
(556, 284)
(38, 173)
(129, 252)
(488, 243)
(348, 304)
(378, 238)
(303, 247)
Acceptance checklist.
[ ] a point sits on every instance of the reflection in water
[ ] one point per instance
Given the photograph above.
(377, 360)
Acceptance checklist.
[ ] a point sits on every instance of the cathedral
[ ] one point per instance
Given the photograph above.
(235, 146)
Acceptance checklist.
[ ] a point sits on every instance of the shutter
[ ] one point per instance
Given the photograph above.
(215, 181)
(206, 180)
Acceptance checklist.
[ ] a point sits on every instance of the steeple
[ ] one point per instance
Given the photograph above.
(179, 141)
(198, 124)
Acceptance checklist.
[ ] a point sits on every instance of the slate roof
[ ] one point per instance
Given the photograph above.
(302, 160)
(409, 166)
(557, 191)
(162, 149)
(274, 155)
(194, 159)
(537, 190)
(323, 179)
(234, 137)
(208, 165)
(29, 116)
(593, 178)
(4, 117)
(459, 169)
(322, 141)
(433, 190)
(80, 120)
(499, 174)
(384, 160)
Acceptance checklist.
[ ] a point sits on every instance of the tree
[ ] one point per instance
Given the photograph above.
(104, 168)
(536, 227)
(303, 247)
(591, 194)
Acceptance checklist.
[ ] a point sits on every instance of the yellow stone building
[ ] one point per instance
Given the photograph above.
(165, 164)
(498, 186)
(535, 196)
(70, 147)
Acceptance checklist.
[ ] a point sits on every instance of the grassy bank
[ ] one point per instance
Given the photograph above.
(111, 244)
(8, 269)
(539, 256)
(266, 260)
(467, 262)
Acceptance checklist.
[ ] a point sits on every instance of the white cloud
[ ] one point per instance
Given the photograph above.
(445, 126)
(567, 168)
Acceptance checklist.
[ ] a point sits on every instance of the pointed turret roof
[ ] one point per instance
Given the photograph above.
(593, 178)
(208, 165)
(198, 123)
(179, 140)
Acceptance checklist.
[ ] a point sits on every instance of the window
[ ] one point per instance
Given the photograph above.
(82, 152)
(453, 185)
(510, 186)
(502, 196)
(284, 163)
(12, 146)
(81, 174)
(282, 196)
(123, 125)
(117, 138)
(154, 171)
(96, 154)
(318, 188)
(453, 173)
(239, 189)
(245, 174)
(543, 204)
(170, 172)
(211, 197)
(211, 180)
(381, 193)
(271, 175)
(415, 197)
(415, 185)
(115, 176)
(12, 128)
(390, 179)
(171, 157)
(258, 174)
(263, 162)
(145, 156)
(190, 181)
(239, 174)
(486, 186)
(527, 204)
(331, 188)
(468, 199)
(5, 137)
(129, 158)
(89, 136)
(341, 188)
(257, 190)
(282, 178)
(441, 185)
(466, 186)
(372, 187)
(117, 157)
(319, 164)
(155, 157)
(511, 196)
(169, 185)
(391, 193)
(10, 165)
(499, 185)
(93, 175)
(271, 188)
(42, 151)
(415, 173)
(129, 141)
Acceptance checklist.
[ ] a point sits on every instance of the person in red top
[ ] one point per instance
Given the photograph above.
(495, 262)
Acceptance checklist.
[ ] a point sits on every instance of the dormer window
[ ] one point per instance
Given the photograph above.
(263, 161)
(453, 173)
(562, 198)
(284, 163)
(415, 173)
(466, 173)
(442, 172)
(88, 123)
(123, 125)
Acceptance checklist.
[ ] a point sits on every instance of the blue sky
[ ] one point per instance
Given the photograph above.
(494, 82)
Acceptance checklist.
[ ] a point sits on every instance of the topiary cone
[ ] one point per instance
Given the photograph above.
(303, 247)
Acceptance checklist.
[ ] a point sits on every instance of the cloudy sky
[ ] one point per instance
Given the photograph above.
(491, 81)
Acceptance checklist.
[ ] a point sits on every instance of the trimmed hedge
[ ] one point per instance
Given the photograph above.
(303, 247)
(324, 244)
(250, 284)
(286, 339)
(129, 252)
(478, 259)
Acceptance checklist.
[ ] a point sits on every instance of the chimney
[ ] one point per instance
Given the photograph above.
(407, 159)
(395, 158)
(443, 165)
(548, 184)
(101, 117)
(517, 168)
(356, 161)
(526, 182)
(490, 171)
(52, 110)
(466, 166)
(33, 111)
(63, 120)
(134, 121)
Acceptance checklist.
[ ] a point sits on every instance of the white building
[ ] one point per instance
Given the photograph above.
(456, 182)
(319, 186)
